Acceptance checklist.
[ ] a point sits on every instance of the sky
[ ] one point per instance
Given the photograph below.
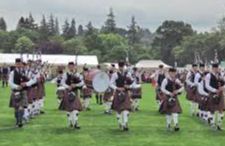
(203, 15)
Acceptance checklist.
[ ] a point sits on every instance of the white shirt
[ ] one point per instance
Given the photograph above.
(164, 84)
(64, 78)
(207, 83)
(188, 79)
(201, 89)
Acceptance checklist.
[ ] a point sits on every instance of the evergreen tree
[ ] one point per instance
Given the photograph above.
(65, 29)
(3, 25)
(110, 24)
(43, 29)
(72, 29)
(80, 30)
(57, 32)
(51, 25)
(21, 23)
(133, 32)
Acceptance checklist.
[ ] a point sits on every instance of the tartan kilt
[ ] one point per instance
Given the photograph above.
(159, 95)
(191, 94)
(120, 104)
(68, 105)
(5, 77)
(30, 95)
(165, 107)
(40, 91)
(216, 105)
(108, 95)
(18, 102)
(136, 93)
(86, 93)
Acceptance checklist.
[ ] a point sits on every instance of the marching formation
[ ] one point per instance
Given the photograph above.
(27, 90)
(118, 90)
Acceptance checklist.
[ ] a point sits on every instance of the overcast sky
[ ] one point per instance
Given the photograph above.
(202, 14)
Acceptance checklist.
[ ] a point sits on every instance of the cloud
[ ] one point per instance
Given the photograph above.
(202, 14)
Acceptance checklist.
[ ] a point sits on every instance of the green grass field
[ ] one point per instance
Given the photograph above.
(147, 127)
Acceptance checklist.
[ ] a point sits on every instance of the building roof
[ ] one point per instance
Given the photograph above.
(150, 64)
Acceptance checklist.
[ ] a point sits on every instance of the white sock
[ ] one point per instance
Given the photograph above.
(125, 115)
(213, 119)
(26, 114)
(108, 106)
(168, 120)
(119, 118)
(69, 118)
(175, 118)
(86, 102)
(75, 116)
(220, 119)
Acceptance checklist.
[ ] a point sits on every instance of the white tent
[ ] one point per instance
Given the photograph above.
(152, 64)
(51, 59)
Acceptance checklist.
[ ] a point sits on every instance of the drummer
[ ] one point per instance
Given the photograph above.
(86, 91)
(99, 96)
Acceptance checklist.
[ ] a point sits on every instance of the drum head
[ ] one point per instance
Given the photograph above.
(101, 82)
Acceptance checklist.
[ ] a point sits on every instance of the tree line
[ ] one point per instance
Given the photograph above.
(173, 41)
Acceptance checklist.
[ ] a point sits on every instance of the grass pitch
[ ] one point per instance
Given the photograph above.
(147, 127)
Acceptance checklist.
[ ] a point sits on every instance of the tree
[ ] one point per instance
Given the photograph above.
(80, 30)
(91, 40)
(133, 32)
(74, 46)
(3, 25)
(43, 29)
(31, 23)
(169, 35)
(110, 24)
(21, 23)
(65, 29)
(72, 29)
(57, 32)
(51, 25)
(24, 45)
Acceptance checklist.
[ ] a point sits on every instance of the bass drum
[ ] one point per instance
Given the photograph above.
(97, 80)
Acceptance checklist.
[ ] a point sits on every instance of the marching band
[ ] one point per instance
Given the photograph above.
(122, 94)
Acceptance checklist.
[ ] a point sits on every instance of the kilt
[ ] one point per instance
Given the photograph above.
(203, 102)
(191, 93)
(216, 105)
(166, 108)
(108, 95)
(86, 93)
(136, 93)
(18, 102)
(4, 77)
(60, 94)
(30, 95)
(68, 105)
(40, 91)
(159, 95)
(120, 104)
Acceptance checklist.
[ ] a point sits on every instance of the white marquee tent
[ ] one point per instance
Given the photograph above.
(51, 59)
(152, 64)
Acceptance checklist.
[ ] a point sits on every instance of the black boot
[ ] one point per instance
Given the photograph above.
(20, 118)
(76, 126)
(177, 128)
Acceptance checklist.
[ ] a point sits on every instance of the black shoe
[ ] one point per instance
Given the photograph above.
(176, 129)
(209, 121)
(20, 125)
(76, 127)
(219, 128)
(42, 112)
(125, 129)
